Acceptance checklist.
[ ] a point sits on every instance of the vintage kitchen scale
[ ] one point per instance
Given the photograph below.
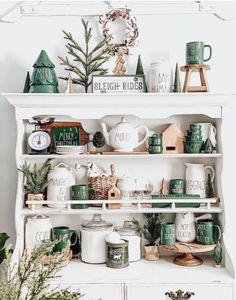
(39, 140)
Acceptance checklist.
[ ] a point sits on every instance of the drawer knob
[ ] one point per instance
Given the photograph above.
(179, 295)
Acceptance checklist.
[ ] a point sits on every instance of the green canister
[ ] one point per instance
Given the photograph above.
(117, 255)
(155, 144)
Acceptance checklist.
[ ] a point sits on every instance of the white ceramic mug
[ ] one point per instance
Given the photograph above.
(206, 127)
(196, 179)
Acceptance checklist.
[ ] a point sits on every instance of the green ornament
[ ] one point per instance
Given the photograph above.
(27, 83)
(44, 79)
(139, 71)
(177, 85)
(218, 254)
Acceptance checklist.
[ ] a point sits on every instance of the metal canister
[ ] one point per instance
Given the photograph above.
(129, 233)
(155, 144)
(117, 255)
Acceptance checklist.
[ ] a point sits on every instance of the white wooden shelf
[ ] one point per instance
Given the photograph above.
(161, 271)
(131, 210)
(209, 205)
(113, 156)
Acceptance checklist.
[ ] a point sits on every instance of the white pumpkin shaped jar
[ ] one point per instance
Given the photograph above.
(61, 178)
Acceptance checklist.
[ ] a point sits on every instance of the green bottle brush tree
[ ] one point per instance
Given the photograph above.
(85, 62)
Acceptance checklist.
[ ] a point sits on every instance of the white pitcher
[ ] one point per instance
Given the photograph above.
(196, 178)
(185, 229)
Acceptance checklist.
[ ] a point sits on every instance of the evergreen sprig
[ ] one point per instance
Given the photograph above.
(36, 177)
(29, 280)
(151, 229)
(89, 61)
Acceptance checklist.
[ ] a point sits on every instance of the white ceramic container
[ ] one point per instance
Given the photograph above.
(126, 185)
(196, 178)
(159, 77)
(93, 240)
(208, 131)
(37, 230)
(59, 188)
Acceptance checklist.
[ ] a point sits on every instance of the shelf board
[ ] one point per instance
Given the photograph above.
(123, 210)
(142, 271)
(129, 156)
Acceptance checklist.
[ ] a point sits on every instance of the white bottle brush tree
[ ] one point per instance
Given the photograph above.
(85, 62)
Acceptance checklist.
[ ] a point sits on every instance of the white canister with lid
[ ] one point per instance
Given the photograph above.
(128, 232)
(61, 178)
(37, 230)
(93, 240)
(159, 77)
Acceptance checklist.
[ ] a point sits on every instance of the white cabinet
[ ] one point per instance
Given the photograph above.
(141, 280)
(201, 291)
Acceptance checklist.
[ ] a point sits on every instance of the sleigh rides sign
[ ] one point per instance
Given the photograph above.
(112, 84)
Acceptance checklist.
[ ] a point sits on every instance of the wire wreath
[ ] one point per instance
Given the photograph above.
(132, 31)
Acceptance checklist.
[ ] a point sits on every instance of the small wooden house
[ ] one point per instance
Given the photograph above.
(173, 140)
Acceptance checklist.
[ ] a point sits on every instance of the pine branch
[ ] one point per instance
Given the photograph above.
(89, 64)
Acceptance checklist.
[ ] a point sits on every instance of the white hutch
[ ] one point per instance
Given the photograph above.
(143, 279)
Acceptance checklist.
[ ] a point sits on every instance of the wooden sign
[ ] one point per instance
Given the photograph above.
(66, 136)
(83, 135)
(112, 84)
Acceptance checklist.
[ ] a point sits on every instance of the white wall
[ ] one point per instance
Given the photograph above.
(166, 35)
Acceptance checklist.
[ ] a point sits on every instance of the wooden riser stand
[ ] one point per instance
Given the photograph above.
(201, 69)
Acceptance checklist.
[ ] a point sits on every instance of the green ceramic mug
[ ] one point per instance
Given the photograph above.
(168, 234)
(206, 232)
(82, 192)
(195, 53)
(63, 235)
(176, 186)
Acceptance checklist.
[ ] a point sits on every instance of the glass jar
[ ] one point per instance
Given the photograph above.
(159, 77)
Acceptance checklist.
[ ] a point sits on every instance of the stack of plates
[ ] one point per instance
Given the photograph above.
(70, 150)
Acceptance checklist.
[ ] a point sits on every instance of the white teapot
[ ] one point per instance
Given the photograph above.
(124, 137)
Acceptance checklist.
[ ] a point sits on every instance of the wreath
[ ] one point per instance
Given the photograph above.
(132, 31)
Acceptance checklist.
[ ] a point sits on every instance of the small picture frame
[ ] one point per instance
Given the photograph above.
(117, 84)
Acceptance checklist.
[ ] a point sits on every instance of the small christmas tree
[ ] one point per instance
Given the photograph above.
(177, 85)
(209, 187)
(139, 71)
(44, 79)
(27, 83)
(139, 68)
(163, 188)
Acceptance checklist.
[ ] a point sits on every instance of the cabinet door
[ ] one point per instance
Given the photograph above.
(201, 291)
(97, 291)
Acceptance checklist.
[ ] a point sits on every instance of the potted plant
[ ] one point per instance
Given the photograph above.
(151, 231)
(36, 180)
(29, 279)
(3, 238)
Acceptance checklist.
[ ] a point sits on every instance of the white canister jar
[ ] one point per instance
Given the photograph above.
(61, 178)
(37, 230)
(93, 240)
(128, 233)
(159, 77)
(126, 185)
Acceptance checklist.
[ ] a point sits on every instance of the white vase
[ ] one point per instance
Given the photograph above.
(159, 77)
(196, 178)
(61, 178)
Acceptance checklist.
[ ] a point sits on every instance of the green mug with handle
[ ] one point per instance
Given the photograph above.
(195, 53)
(206, 232)
(63, 235)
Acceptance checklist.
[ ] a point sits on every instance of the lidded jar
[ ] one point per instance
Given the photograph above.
(159, 77)
(93, 243)
(130, 234)
(61, 178)
(37, 229)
